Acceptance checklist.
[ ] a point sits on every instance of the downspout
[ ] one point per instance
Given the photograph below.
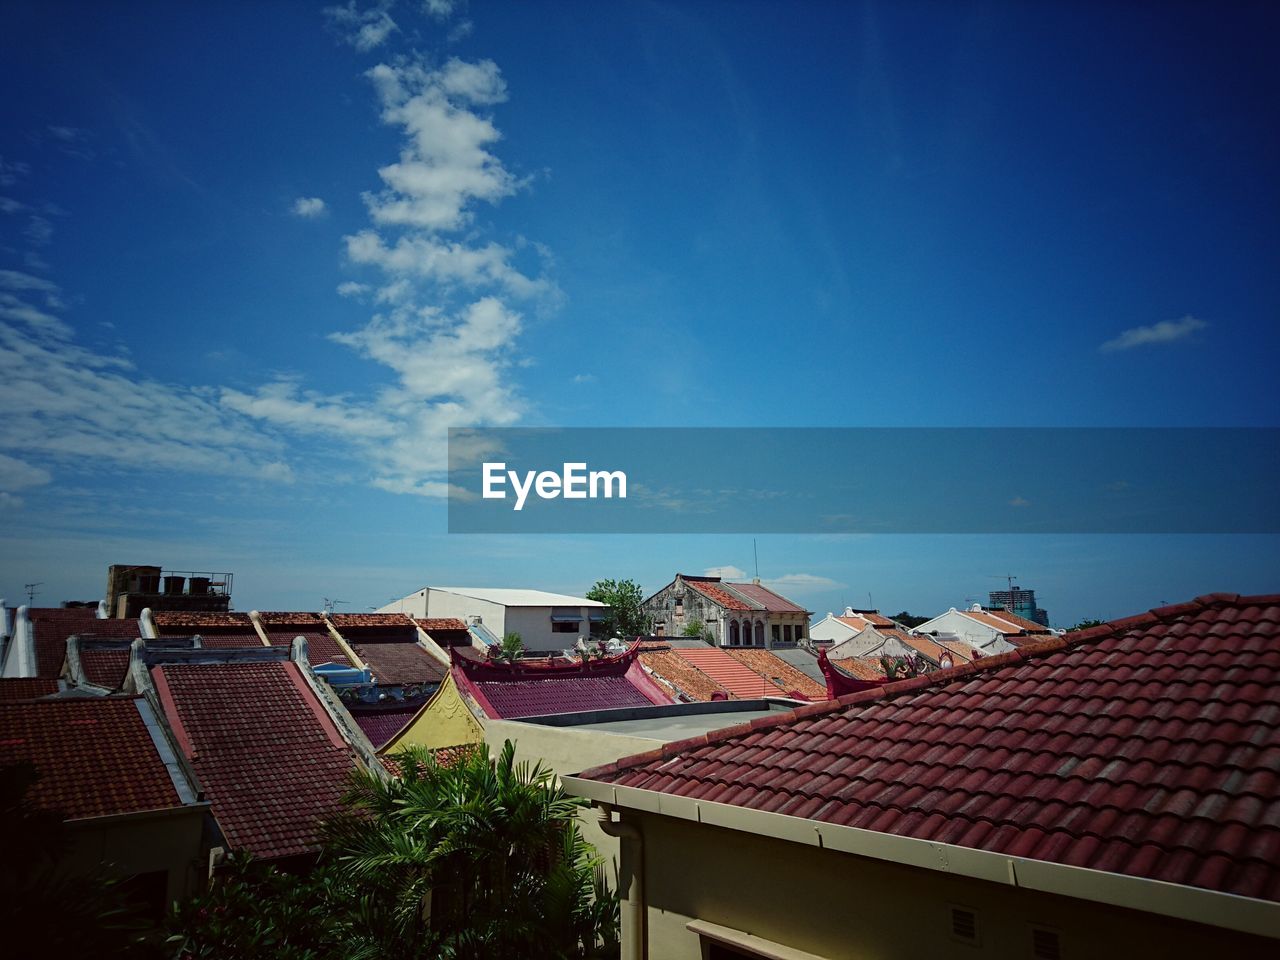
(635, 921)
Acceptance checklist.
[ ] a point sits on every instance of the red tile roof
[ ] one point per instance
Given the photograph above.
(232, 638)
(860, 669)
(381, 725)
(446, 631)
(321, 647)
(711, 589)
(771, 601)
(343, 620)
(195, 620)
(730, 674)
(104, 667)
(269, 756)
(1149, 746)
(1003, 622)
(27, 688)
(860, 621)
(772, 667)
(52, 626)
(510, 691)
(94, 755)
(677, 674)
(297, 618)
(1019, 621)
(399, 661)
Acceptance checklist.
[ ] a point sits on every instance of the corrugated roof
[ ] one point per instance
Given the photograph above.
(1149, 746)
(678, 674)
(268, 755)
(95, 755)
(772, 601)
(713, 590)
(521, 598)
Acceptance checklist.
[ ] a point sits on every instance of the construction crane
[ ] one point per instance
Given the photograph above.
(1007, 577)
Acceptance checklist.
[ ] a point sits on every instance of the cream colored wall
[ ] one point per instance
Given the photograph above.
(445, 721)
(838, 905)
(569, 751)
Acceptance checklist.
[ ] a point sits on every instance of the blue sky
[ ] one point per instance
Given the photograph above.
(258, 257)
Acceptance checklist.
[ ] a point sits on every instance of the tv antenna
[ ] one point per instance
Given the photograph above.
(756, 554)
(31, 591)
(330, 604)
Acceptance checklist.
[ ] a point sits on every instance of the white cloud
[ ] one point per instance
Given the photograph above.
(309, 207)
(351, 288)
(725, 573)
(447, 263)
(39, 231)
(17, 474)
(584, 378)
(10, 206)
(1166, 331)
(801, 583)
(11, 171)
(363, 29)
(1019, 502)
(439, 8)
(14, 280)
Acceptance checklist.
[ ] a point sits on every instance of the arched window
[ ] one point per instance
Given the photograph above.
(759, 633)
(733, 633)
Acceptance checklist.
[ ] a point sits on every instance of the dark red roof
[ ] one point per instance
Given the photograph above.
(771, 601)
(510, 691)
(52, 626)
(291, 618)
(1149, 746)
(27, 688)
(268, 755)
(94, 755)
(440, 623)
(196, 621)
(380, 725)
(344, 620)
(321, 647)
(104, 667)
(399, 661)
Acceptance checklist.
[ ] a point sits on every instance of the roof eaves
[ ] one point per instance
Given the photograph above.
(1225, 910)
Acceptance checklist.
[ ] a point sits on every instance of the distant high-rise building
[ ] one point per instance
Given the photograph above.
(1022, 601)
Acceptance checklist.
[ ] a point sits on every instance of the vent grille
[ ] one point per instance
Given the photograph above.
(964, 925)
(1045, 944)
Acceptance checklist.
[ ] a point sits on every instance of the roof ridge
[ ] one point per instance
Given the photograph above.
(939, 678)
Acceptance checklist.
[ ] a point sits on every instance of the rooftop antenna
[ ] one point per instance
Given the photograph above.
(756, 553)
(31, 591)
(870, 605)
(330, 604)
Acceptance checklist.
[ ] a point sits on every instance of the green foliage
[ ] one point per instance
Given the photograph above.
(44, 910)
(908, 621)
(477, 859)
(626, 617)
(256, 912)
(696, 628)
(512, 648)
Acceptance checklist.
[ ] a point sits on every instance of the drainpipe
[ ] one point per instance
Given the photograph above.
(635, 920)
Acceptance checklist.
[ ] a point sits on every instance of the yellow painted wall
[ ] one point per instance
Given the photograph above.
(839, 905)
(446, 721)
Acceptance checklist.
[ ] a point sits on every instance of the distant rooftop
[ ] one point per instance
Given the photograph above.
(520, 598)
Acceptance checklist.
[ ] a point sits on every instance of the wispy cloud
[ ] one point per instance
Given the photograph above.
(11, 171)
(725, 573)
(309, 207)
(1166, 331)
(801, 583)
(1019, 502)
(450, 308)
(365, 28)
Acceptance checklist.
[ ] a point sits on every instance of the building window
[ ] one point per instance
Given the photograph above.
(759, 633)
(799, 632)
(733, 633)
(566, 626)
(787, 636)
(777, 633)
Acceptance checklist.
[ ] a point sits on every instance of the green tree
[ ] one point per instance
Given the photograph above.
(477, 859)
(696, 628)
(908, 621)
(626, 616)
(512, 648)
(1086, 624)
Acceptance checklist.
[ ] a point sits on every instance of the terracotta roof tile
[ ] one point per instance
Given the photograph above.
(269, 757)
(104, 667)
(724, 598)
(678, 674)
(195, 621)
(446, 631)
(1149, 746)
(321, 647)
(729, 673)
(345, 620)
(52, 626)
(768, 599)
(287, 618)
(399, 661)
(27, 688)
(94, 755)
(774, 668)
